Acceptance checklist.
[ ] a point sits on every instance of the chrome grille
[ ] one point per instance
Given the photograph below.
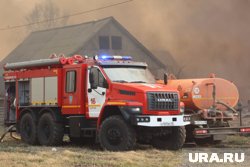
(162, 100)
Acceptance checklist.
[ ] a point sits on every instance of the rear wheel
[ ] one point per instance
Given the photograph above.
(116, 135)
(173, 141)
(50, 132)
(28, 129)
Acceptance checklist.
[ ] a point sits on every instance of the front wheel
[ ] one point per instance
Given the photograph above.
(172, 141)
(116, 135)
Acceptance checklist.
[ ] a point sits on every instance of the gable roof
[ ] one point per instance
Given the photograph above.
(67, 40)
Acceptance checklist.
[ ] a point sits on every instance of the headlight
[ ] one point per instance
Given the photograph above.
(135, 109)
(132, 109)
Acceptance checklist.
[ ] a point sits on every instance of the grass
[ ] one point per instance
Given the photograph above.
(238, 140)
(17, 154)
(14, 153)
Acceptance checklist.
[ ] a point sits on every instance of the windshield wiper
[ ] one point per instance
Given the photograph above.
(121, 81)
(137, 82)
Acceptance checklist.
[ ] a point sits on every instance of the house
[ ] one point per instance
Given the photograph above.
(105, 36)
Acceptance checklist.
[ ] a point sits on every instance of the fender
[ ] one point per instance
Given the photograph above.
(118, 108)
(101, 115)
(26, 110)
(55, 113)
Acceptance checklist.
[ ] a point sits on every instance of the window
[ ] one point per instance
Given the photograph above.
(104, 42)
(98, 77)
(70, 81)
(116, 42)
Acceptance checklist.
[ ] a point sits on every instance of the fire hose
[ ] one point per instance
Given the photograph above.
(227, 106)
(9, 130)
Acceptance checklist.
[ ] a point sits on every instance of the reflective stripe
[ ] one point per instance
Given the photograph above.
(70, 106)
(116, 103)
(93, 105)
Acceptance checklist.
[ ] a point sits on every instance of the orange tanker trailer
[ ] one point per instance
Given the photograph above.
(211, 102)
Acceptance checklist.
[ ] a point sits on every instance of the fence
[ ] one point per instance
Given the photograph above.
(1, 113)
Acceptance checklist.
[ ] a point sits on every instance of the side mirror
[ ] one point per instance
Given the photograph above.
(93, 78)
(165, 78)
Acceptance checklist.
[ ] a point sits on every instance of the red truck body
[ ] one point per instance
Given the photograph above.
(85, 92)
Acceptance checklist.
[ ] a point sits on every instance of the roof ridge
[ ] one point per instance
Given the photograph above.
(73, 25)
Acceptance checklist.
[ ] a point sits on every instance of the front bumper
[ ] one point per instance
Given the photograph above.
(161, 121)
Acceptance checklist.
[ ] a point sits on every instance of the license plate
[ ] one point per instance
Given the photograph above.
(200, 122)
(167, 123)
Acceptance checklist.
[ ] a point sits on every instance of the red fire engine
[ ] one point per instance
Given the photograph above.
(109, 99)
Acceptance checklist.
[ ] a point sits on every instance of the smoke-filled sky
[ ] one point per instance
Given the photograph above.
(202, 35)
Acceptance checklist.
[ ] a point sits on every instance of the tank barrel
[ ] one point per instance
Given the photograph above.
(203, 93)
(34, 63)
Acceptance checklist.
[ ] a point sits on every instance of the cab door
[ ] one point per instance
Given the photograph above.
(71, 91)
(97, 89)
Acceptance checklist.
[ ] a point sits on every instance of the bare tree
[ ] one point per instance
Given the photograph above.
(45, 13)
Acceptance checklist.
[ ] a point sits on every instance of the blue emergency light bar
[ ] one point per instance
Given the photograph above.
(108, 57)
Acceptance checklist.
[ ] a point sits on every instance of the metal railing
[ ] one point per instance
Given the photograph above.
(1, 116)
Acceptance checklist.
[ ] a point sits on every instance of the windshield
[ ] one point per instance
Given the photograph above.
(129, 74)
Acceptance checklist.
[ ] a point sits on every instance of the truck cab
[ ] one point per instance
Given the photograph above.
(109, 99)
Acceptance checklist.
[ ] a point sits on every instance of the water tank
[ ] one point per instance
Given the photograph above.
(197, 94)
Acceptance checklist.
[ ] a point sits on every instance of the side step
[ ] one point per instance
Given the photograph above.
(88, 132)
(79, 126)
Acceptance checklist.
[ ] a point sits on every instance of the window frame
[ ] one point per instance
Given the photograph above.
(66, 85)
(101, 43)
(99, 74)
(114, 42)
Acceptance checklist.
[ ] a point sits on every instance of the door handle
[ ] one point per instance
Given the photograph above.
(65, 97)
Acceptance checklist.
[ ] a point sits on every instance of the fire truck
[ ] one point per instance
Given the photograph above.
(107, 99)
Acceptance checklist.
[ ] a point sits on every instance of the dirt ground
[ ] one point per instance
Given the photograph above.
(14, 153)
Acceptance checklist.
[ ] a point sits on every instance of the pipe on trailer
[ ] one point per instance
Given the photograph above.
(35, 63)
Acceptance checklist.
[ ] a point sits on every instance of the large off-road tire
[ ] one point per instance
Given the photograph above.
(50, 132)
(116, 135)
(173, 141)
(28, 129)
